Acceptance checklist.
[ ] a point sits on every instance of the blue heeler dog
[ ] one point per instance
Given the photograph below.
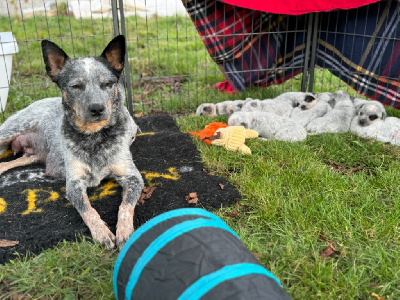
(84, 136)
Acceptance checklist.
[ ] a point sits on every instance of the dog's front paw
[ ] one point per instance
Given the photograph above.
(125, 224)
(123, 234)
(103, 235)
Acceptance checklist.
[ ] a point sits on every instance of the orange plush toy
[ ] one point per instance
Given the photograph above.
(208, 131)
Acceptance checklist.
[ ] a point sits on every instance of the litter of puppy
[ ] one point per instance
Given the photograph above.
(292, 115)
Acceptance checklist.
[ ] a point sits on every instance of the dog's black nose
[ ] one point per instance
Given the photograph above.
(96, 109)
(303, 107)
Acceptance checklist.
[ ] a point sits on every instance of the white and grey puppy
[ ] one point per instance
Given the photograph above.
(212, 109)
(281, 105)
(305, 116)
(383, 130)
(338, 119)
(371, 122)
(269, 125)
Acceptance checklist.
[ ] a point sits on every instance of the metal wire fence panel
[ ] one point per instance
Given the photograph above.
(181, 54)
(78, 35)
(361, 47)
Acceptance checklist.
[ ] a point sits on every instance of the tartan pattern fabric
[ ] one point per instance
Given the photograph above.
(361, 46)
(363, 49)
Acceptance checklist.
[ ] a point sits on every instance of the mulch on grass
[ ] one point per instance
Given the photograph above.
(35, 213)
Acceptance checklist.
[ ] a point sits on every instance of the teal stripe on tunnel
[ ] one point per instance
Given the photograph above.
(206, 283)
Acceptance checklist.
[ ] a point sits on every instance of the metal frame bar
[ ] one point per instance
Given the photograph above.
(116, 28)
(311, 68)
(307, 54)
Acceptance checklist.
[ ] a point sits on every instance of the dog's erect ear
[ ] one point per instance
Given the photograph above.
(114, 53)
(54, 58)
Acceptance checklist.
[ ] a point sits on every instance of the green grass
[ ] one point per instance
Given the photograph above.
(298, 198)
(292, 197)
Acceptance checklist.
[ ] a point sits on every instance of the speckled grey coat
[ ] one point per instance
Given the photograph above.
(83, 136)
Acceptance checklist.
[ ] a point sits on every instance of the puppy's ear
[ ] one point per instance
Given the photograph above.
(207, 108)
(309, 98)
(359, 107)
(54, 59)
(384, 114)
(332, 102)
(114, 53)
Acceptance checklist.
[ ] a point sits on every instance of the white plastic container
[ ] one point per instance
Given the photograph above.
(8, 47)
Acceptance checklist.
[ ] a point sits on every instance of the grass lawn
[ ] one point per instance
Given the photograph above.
(322, 215)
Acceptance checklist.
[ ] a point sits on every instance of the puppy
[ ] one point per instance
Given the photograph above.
(278, 107)
(385, 131)
(269, 125)
(306, 115)
(211, 109)
(84, 136)
(371, 122)
(281, 105)
(338, 119)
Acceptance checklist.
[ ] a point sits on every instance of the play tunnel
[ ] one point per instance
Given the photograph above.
(191, 254)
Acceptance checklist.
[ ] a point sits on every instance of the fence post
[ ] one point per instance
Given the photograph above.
(127, 77)
(313, 54)
(307, 54)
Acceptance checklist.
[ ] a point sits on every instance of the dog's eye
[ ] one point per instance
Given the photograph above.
(77, 86)
(373, 117)
(107, 85)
